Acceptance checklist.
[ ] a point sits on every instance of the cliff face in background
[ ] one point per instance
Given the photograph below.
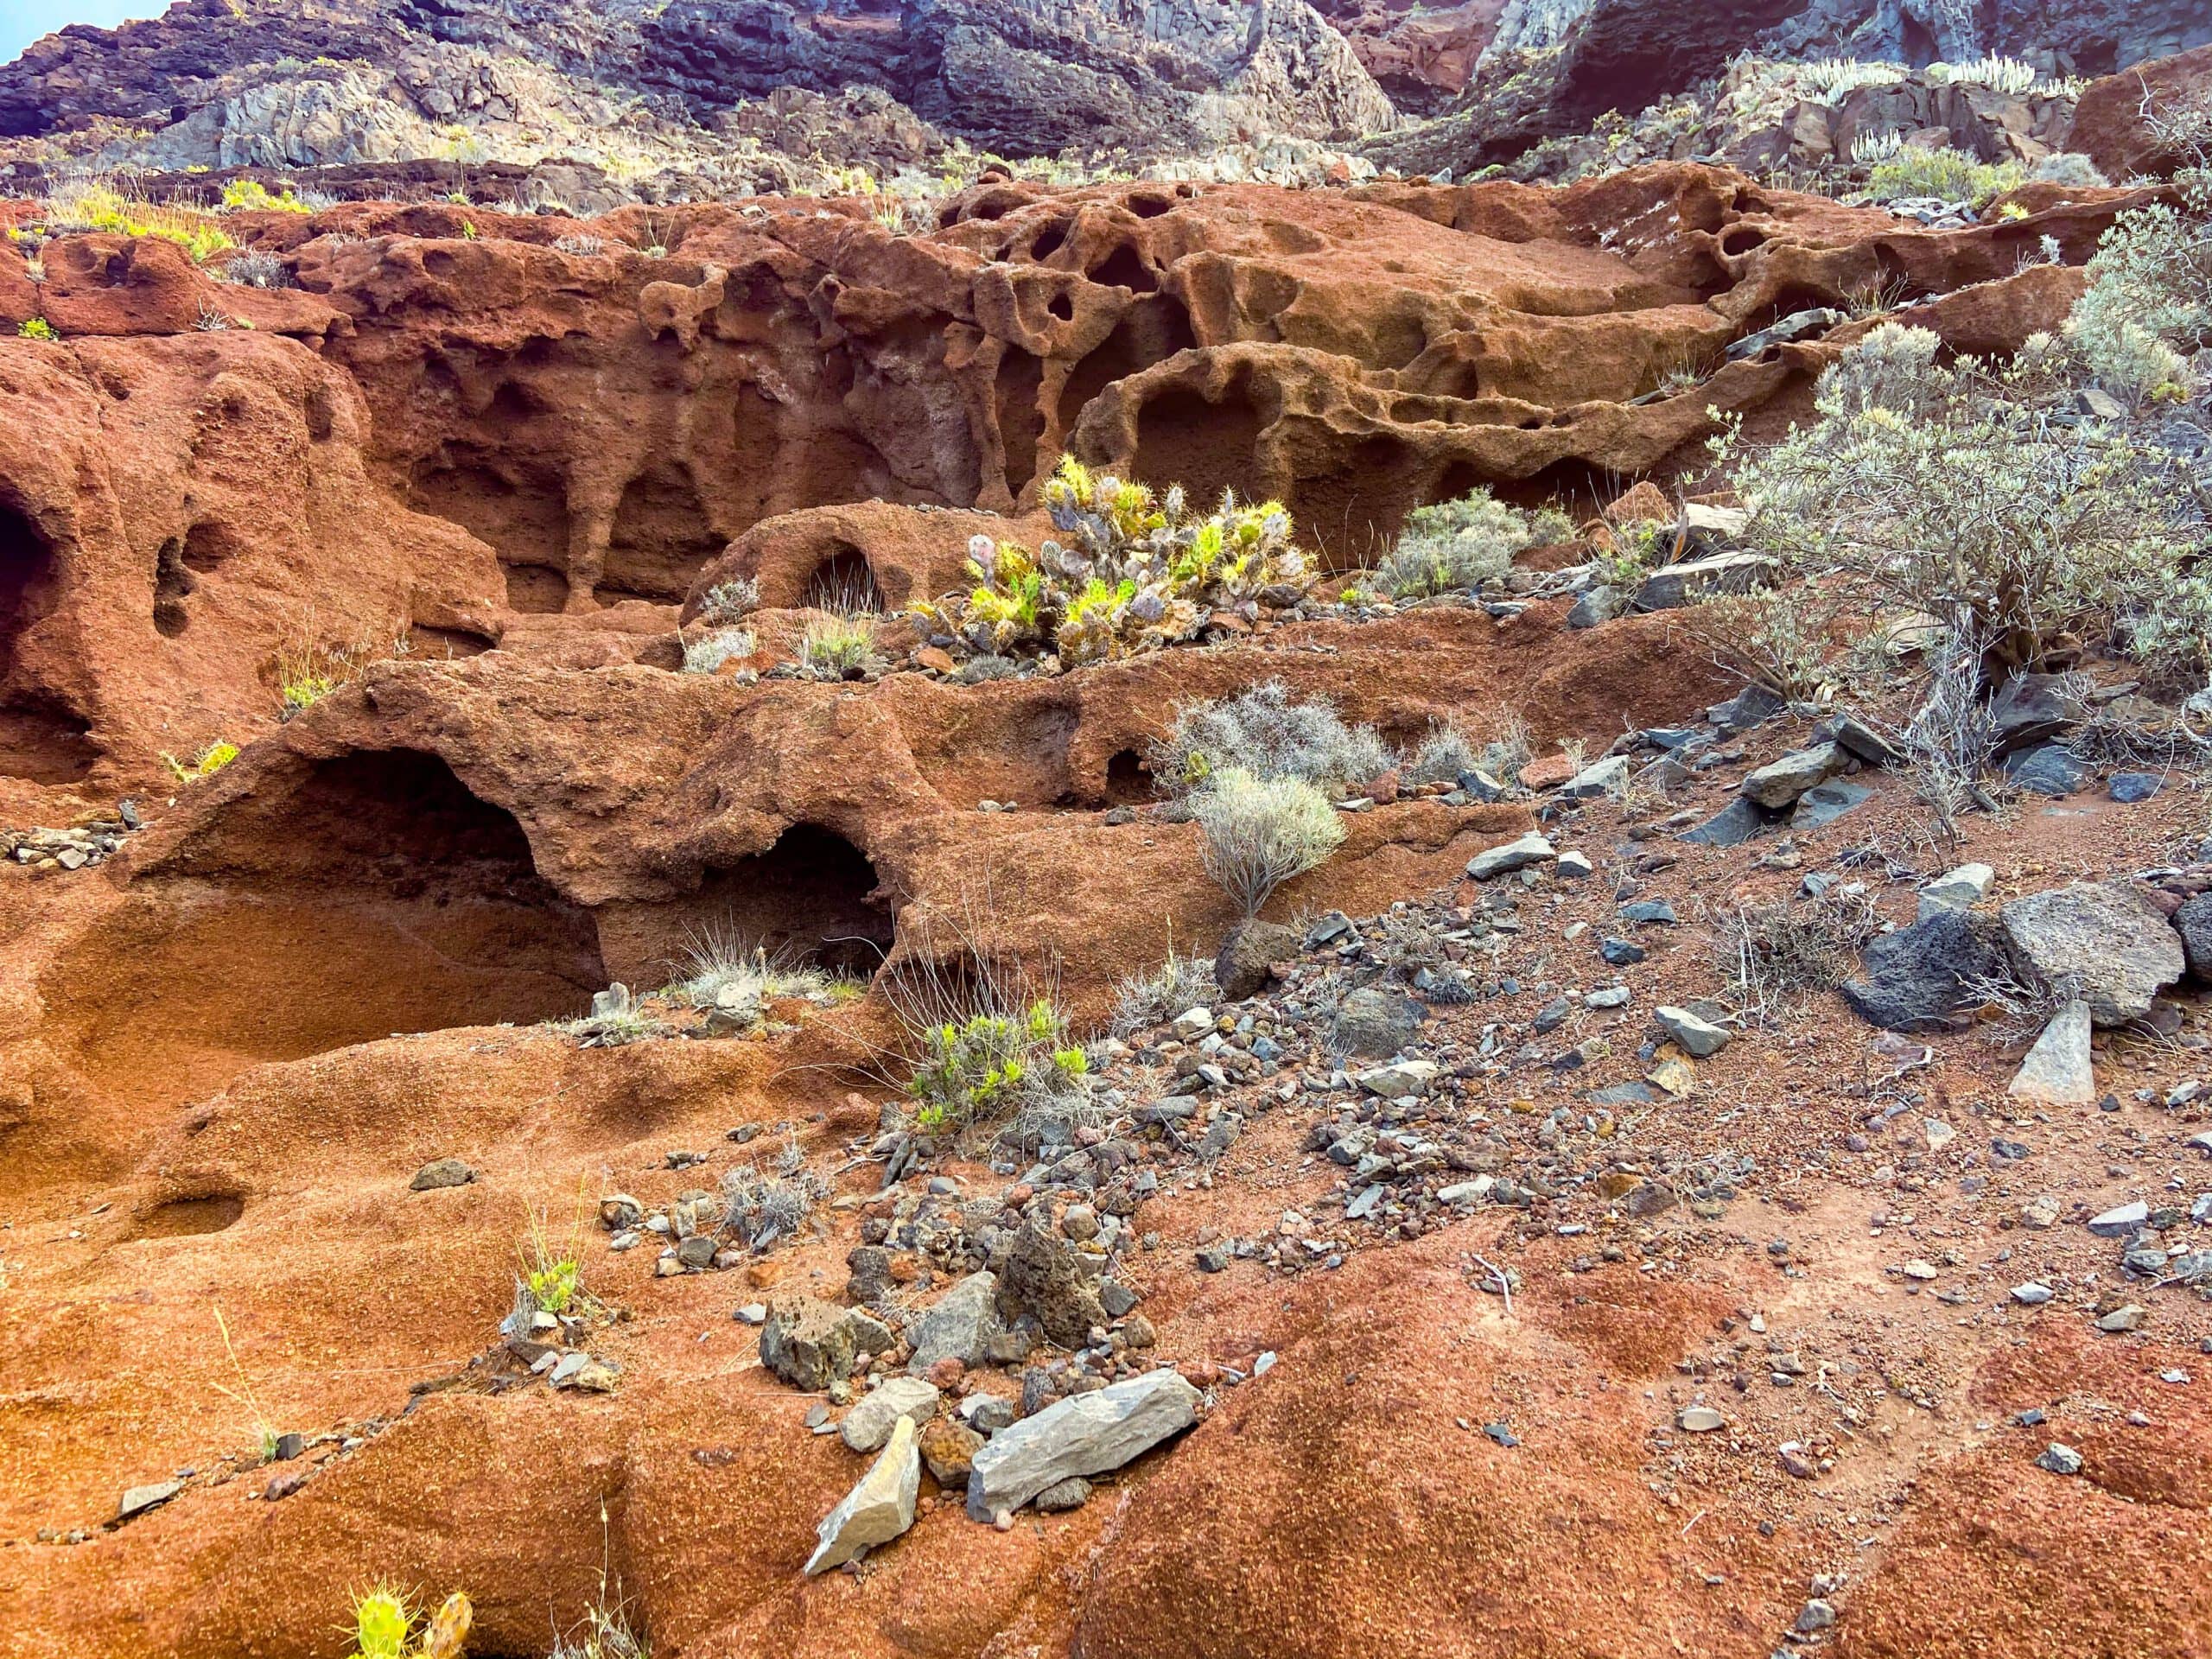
(703, 90)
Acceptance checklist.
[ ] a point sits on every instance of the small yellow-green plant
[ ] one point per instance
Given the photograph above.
(975, 1069)
(307, 671)
(552, 1268)
(266, 1435)
(839, 646)
(384, 1626)
(1137, 571)
(250, 195)
(37, 328)
(206, 763)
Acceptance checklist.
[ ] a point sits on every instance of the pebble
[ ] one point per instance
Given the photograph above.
(1699, 1419)
(2059, 1459)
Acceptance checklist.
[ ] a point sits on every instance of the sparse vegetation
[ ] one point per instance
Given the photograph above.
(1146, 998)
(306, 671)
(1266, 734)
(1260, 832)
(1441, 757)
(210, 760)
(760, 1207)
(840, 646)
(265, 1431)
(1138, 572)
(255, 268)
(90, 205)
(725, 971)
(35, 328)
(1945, 174)
(552, 1267)
(581, 244)
(1778, 950)
(1456, 546)
(729, 602)
(706, 653)
(250, 195)
(384, 1626)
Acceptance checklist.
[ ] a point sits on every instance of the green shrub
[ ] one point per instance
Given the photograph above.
(1268, 735)
(1137, 573)
(2149, 299)
(839, 647)
(1947, 174)
(1458, 545)
(978, 1068)
(1950, 492)
(211, 760)
(95, 207)
(2071, 168)
(1261, 832)
(37, 328)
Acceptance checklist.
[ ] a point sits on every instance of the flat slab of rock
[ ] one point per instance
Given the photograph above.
(1959, 889)
(1779, 783)
(440, 1172)
(867, 1426)
(876, 1511)
(2058, 1072)
(1085, 1434)
(2103, 940)
(1694, 579)
(139, 1499)
(1531, 849)
(1698, 1038)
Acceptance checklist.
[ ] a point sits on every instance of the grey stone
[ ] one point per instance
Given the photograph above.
(2029, 707)
(1648, 912)
(1240, 966)
(137, 1500)
(1479, 786)
(1374, 1022)
(1531, 849)
(957, 1326)
(2032, 1294)
(1620, 953)
(2122, 1221)
(1959, 889)
(811, 1343)
(1611, 996)
(1796, 326)
(1573, 866)
(2193, 921)
(2059, 1459)
(1605, 777)
(1595, 604)
(879, 1508)
(2103, 939)
(868, 1424)
(1699, 1419)
(1912, 977)
(1087, 1434)
(440, 1172)
(1779, 783)
(1400, 1079)
(1699, 1038)
(1733, 825)
(1677, 585)
(2056, 1072)
(2129, 787)
(2048, 770)
(1753, 706)
(1823, 803)
(1862, 741)
(1045, 1278)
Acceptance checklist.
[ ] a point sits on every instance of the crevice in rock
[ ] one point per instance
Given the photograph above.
(660, 538)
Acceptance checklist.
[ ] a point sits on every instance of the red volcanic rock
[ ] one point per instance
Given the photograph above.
(2116, 119)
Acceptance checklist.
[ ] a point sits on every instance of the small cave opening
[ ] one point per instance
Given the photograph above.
(43, 742)
(1125, 268)
(30, 581)
(1021, 422)
(373, 893)
(1129, 781)
(843, 581)
(174, 583)
(1049, 241)
(536, 589)
(812, 897)
(1151, 331)
(661, 538)
(1062, 306)
(1182, 438)
(519, 507)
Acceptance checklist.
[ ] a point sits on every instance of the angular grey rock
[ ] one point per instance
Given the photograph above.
(1504, 860)
(2121, 1220)
(1595, 604)
(2048, 770)
(1779, 783)
(1240, 968)
(1862, 741)
(138, 1499)
(1733, 825)
(1605, 777)
(1912, 977)
(1400, 1079)
(1699, 1038)
(1064, 1495)
(1677, 585)
(2193, 921)
(1086, 1434)
(2029, 707)
(879, 1507)
(1959, 889)
(2129, 787)
(1374, 1022)
(2103, 940)
(959, 1326)
(440, 1172)
(811, 1343)
(1823, 803)
(868, 1424)
(2058, 1072)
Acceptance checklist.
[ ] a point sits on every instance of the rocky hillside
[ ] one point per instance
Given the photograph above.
(680, 99)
